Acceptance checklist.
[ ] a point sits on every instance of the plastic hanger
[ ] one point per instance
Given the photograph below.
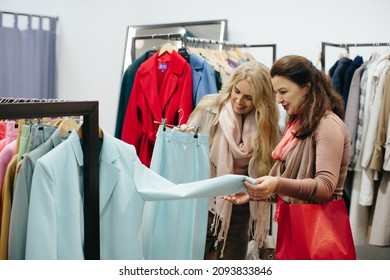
(184, 53)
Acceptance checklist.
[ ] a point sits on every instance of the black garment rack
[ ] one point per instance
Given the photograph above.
(14, 108)
(201, 41)
(346, 46)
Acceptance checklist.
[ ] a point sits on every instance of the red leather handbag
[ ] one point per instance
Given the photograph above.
(314, 232)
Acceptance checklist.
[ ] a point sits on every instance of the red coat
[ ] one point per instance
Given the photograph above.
(162, 86)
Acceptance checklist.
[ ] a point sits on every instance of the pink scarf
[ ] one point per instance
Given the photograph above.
(288, 142)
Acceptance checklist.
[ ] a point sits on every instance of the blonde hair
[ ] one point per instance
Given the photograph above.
(267, 113)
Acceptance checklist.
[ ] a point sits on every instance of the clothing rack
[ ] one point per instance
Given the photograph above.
(228, 44)
(346, 46)
(195, 40)
(13, 108)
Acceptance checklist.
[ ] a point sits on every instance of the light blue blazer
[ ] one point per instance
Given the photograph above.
(55, 223)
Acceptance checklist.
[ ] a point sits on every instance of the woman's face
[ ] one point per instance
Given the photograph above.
(241, 98)
(290, 95)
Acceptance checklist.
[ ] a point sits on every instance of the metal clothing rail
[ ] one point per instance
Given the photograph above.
(34, 108)
(229, 44)
(195, 40)
(346, 46)
(165, 36)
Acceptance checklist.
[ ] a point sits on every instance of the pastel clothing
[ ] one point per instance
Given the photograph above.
(21, 197)
(179, 157)
(203, 78)
(56, 221)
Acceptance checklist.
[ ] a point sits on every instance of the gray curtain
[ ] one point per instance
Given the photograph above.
(28, 57)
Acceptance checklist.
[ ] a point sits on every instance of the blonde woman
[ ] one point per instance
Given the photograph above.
(242, 124)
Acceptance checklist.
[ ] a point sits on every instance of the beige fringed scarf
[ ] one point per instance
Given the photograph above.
(299, 164)
(230, 154)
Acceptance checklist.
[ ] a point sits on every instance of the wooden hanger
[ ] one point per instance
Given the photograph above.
(244, 56)
(167, 47)
(319, 59)
(67, 125)
(80, 132)
(344, 54)
(249, 56)
(241, 56)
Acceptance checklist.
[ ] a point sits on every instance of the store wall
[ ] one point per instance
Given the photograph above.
(92, 33)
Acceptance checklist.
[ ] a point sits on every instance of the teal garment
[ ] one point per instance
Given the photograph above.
(176, 229)
(55, 228)
(39, 134)
(21, 198)
(32, 136)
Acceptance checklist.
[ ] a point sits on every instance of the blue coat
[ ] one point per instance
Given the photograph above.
(55, 222)
(203, 78)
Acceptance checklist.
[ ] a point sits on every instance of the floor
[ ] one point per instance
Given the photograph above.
(371, 252)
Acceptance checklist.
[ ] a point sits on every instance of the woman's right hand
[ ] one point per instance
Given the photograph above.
(238, 198)
(265, 187)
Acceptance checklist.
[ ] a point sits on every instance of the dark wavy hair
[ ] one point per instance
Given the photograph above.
(320, 96)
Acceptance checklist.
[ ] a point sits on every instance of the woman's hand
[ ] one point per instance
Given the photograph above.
(184, 128)
(238, 198)
(265, 186)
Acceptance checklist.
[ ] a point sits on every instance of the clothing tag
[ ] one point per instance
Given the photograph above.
(162, 67)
